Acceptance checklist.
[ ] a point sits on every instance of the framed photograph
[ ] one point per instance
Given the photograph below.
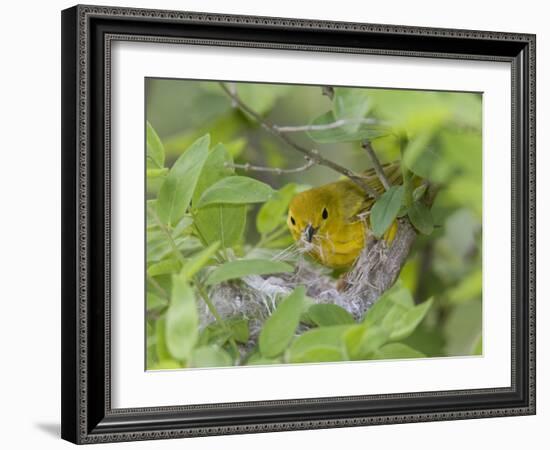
(280, 224)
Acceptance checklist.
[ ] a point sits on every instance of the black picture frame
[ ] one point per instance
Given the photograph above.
(87, 32)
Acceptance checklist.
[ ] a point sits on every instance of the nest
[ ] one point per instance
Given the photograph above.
(375, 270)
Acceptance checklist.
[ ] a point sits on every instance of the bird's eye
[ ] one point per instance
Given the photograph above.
(325, 213)
(292, 220)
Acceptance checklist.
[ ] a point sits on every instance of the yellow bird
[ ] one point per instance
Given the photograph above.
(329, 221)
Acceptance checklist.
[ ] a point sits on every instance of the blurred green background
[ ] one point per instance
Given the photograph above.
(443, 131)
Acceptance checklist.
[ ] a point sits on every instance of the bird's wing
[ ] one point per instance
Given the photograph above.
(355, 202)
(392, 172)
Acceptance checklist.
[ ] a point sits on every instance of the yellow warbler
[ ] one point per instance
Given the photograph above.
(329, 221)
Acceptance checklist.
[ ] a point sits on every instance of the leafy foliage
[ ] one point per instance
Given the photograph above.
(208, 223)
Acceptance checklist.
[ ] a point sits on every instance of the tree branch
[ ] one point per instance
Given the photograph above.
(376, 164)
(312, 154)
(325, 126)
(249, 167)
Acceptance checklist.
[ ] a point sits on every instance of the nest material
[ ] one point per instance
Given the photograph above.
(374, 271)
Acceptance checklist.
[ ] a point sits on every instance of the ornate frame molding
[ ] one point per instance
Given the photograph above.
(84, 421)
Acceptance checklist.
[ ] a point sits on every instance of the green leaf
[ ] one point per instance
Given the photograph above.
(166, 364)
(177, 189)
(155, 302)
(213, 171)
(258, 360)
(398, 295)
(153, 222)
(239, 330)
(215, 333)
(220, 332)
(158, 247)
(397, 351)
(350, 103)
(385, 210)
(272, 214)
(210, 356)
(236, 190)
(151, 348)
(160, 333)
(419, 192)
(279, 328)
(198, 261)
(343, 133)
(362, 340)
(243, 267)
(427, 340)
(182, 320)
(324, 337)
(329, 314)
(166, 266)
(155, 149)
(404, 326)
(396, 314)
(157, 173)
(350, 106)
(223, 223)
(421, 217)
(319, 354)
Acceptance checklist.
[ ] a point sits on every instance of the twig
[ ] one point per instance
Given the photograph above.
(325, 126)
(311, 154)
(249, 167)
(376, 164)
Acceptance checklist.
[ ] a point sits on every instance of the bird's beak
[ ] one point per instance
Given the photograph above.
(309, 231)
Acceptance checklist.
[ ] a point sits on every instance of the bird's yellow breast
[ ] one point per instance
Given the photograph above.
(340, 249)
(331, 213)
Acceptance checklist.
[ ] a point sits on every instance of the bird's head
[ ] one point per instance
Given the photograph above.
(311, 214)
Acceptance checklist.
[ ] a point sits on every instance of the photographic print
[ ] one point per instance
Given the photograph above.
(333, 202)
(307, 224)
(292, 224)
